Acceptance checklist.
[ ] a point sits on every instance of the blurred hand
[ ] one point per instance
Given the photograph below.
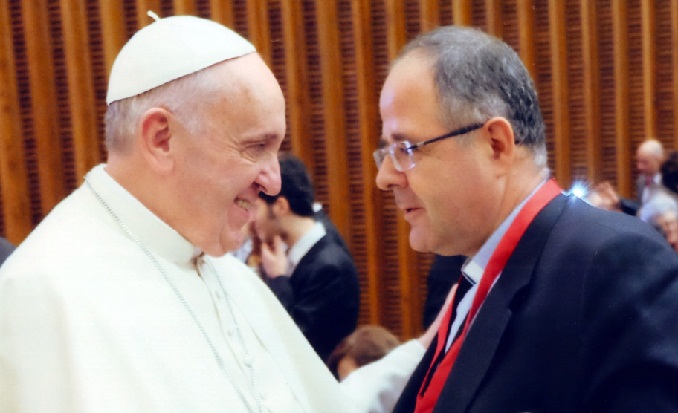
(604, 196)
(274, 257)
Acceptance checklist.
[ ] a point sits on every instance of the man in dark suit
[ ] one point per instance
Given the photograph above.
(562, 307)
(6, 249)
(307, 267)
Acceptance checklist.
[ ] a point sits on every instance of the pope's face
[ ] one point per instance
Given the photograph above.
(447, 198)
(221, 172)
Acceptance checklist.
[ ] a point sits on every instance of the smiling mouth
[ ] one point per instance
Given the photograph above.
(244, 204)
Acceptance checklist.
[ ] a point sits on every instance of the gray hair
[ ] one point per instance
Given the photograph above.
(478, 76)
(660, 202)
(184, 97)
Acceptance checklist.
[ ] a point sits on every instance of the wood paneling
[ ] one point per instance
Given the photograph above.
(649, 67)
(622, 109)
(560, 87)
(591, 90)
(13, 174)
(606, 72)
(79, 69)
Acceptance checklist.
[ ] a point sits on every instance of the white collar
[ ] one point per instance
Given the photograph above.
(154, 233)
(305, 243)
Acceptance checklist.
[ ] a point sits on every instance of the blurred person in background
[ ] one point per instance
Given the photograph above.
(312, 274)
(365, 345)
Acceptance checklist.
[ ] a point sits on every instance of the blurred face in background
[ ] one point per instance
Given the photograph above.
(667, 223)
(265, 222)
(648, 159)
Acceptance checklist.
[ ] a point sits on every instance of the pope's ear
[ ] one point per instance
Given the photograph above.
(155, 138)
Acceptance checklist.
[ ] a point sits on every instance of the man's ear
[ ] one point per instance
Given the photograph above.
(281, 206)
(155, 139)
(501, 141)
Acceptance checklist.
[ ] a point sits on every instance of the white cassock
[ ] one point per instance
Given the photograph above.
(89, 323)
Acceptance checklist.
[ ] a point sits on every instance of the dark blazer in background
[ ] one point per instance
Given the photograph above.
(443, 274)
(6, 248)
(322, 295)
(582, 319)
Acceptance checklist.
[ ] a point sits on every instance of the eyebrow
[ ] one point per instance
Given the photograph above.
(397, 137)
(265, 137)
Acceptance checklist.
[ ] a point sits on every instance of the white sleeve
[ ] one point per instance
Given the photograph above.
(375, 387)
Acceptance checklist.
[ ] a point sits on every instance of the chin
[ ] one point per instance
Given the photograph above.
(419, 243)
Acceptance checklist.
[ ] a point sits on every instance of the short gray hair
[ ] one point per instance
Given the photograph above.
(184, 97)
(478, 76)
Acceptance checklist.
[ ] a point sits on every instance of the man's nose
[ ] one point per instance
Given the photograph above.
(388, 176)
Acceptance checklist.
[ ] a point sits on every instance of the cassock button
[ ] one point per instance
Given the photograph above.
(247, 360)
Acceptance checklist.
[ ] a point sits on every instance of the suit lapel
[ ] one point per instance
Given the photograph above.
(487, 329)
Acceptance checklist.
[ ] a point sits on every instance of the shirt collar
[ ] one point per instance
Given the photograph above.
(305, 243)
(148, 228)
(657, 178)
(474, 267)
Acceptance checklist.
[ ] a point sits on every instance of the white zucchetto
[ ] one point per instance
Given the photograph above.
(168, 49)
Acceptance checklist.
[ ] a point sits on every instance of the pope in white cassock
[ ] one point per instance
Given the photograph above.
(113, 304)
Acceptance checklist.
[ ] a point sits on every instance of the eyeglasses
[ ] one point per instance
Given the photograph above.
(401, 151)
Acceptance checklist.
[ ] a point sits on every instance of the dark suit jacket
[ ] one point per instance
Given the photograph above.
(443, 274)
(322, 295)
(6, 249)
(583, 319)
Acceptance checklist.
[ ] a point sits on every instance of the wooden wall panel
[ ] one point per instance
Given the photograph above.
(495, 21)
(279, 64)
(461, 12)
(370, 253)
(41, 122)
(296, 79)
(79, 69)
(622, 104)
(222, 11)
(590, 91)
(14, 195)
(334, 112)
(606, 72)
(636, 85)
(608, 92)
(258, 27)
(647, 32)
(664, 103)
(560, 86)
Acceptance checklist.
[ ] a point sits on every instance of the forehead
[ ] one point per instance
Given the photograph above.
(409, 100)
(251, 100)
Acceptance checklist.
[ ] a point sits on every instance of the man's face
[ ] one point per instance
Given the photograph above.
(449, 197)
(668, 225)
(264, 221)
(647, 163)
(220, 173)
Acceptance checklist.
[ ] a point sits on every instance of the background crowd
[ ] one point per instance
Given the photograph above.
(656, 187)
